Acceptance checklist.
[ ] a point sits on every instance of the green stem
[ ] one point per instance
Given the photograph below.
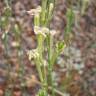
(50, 67)
(40, 63)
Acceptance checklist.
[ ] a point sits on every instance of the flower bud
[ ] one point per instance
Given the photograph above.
(33, 54)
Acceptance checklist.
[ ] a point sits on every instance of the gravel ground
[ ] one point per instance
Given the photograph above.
(79, 58)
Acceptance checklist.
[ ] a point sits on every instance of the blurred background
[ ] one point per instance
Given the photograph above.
(75, 70)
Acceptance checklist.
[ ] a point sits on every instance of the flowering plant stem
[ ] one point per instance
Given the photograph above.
(46, 17)
(45, 42)
(41, 21)
(50, 67)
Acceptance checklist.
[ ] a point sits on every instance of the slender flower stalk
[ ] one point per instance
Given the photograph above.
(45, 39)
(41, 22)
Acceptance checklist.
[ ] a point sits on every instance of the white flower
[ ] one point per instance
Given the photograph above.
(32, 12)
(33, 54)
(35, 11)
(37, 30)
(45, 30)
(41, 30)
